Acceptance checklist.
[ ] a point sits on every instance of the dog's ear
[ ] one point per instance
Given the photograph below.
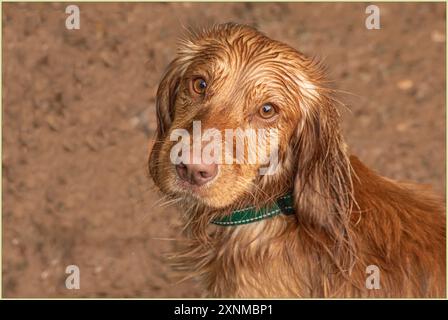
(323, 185)
(166, 96)
(165, 107)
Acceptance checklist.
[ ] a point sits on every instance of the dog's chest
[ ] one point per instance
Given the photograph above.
(252, 261)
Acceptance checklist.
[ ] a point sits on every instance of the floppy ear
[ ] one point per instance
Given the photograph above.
(166, 97)
(323, 185)
(323, 188)
(165, 105)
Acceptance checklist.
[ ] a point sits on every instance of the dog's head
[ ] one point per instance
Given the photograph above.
(232, 77)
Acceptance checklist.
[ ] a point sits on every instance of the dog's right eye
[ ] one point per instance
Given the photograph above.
(199, 85)
(267, 111)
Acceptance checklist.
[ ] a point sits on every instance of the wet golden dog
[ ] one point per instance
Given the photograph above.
(346, 218)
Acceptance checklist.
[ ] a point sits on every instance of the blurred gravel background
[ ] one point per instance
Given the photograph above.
(78, 118)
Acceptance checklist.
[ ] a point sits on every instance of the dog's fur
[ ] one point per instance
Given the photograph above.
(347, 216)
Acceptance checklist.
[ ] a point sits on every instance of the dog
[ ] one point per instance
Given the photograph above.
(347, 231)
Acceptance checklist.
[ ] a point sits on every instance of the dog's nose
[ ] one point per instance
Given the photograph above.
(197, 174)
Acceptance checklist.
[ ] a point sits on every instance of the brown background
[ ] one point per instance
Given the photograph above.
(78, 115)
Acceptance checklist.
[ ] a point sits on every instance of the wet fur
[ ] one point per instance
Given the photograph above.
(347, 216)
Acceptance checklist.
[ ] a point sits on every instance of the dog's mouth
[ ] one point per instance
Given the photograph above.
(194, 194)
(213, 194)
(191, 189)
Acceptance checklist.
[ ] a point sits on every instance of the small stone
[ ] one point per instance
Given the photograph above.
(92, 143)
(106, 59)
(44, 275)
(365, 77)
(437, 36)
(402, 127)
(405, 84)
(69, 147)
(98, 269)
(52, 122)
(135, 122)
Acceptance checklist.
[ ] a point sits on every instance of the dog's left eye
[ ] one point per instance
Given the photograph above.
(267, 111)
(199, 85)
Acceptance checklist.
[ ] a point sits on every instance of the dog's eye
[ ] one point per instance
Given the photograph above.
(199, 85)
(267, 111)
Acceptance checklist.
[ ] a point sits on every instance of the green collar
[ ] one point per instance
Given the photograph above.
(283, 205)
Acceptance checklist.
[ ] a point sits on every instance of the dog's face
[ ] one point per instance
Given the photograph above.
(232, 78)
